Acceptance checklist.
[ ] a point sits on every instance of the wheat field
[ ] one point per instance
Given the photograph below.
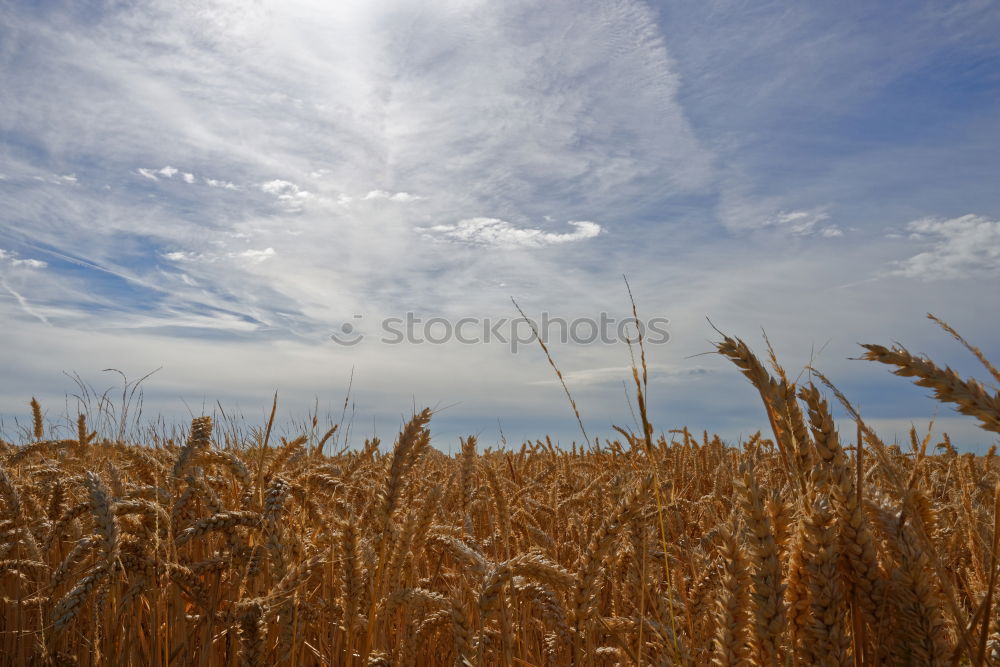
(800, 546)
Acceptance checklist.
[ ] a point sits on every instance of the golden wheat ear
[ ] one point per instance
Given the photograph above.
(976, 352)
(968, 396)
(38, 427)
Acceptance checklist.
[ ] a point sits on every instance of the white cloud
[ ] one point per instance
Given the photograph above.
(213, 183)
(12, 259)
(960, 247)
(56, 179)
(279, 188)
(743, 212)
(180, 256)
(391, 196)
(208, 258)
(500, 233)
(285, 190)
(798, 223)
(258, 255)
(169, 172)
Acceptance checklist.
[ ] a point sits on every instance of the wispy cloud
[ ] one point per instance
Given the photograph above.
(391, 196)
(964, 247)
(255, 255)
(742, 212)
(502, 234)
(9, 258)
(258, 255)
(804, 223)
(215, 183)
(658, 373)
(186, 176)
(23, 303)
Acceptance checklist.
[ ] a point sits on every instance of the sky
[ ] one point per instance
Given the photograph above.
(213, 189)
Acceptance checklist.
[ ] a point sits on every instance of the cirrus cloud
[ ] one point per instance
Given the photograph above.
(502, 234)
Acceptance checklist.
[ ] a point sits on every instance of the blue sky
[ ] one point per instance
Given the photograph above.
(214, 187)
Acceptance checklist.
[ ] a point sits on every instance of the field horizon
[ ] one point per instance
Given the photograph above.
(122, 408)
